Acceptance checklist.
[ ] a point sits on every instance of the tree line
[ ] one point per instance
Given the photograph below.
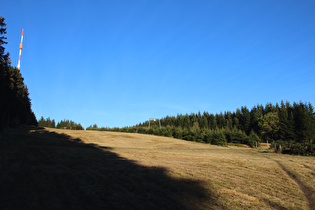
(63, 124)
(290, 128)
(15, 104)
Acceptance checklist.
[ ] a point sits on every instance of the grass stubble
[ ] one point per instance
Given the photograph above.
(92, 169)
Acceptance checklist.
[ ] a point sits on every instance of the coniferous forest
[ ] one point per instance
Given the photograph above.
(63, 124)
(289, 128)
(15, 104)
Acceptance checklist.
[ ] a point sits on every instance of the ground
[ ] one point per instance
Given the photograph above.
(58, 169)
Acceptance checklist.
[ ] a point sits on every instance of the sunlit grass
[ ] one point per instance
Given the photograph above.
(235, 177)
(242, 177)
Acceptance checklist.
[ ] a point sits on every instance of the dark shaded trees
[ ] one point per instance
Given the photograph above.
(69, 124)
(47, 122)
(15, 104)
(63, 124)
(304, 122)
(245, 120)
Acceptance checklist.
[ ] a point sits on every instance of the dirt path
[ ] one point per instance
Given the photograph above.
(305, 189)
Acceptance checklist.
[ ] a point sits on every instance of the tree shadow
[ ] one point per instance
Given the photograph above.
(46, 170)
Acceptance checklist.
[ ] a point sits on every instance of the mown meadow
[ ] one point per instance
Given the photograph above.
(75, 169)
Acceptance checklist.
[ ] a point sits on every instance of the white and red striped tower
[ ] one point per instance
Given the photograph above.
(21, 46)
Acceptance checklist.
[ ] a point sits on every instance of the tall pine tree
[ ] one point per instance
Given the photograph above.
(15, 104)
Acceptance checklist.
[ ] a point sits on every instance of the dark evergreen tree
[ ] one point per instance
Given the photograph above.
(177, 132)
(300, 119)
(229, 120)
(180, 120)
(269, 108)
(192, 119)
(212, 122)
(254, 120)
(310, 133)
(245, 120)
(15, 104)
(186, 121)
(218, 137)
(237, 119)
(220, 119)
(202, 121)
(291, 134)
(304, 122)
(205, 118)
(283, 120)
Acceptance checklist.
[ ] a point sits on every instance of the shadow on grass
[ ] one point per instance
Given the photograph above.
(46, 170)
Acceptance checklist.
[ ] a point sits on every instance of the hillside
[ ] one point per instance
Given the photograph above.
(67, 169)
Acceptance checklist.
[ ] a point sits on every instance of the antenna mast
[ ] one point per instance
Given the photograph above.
(21, 46)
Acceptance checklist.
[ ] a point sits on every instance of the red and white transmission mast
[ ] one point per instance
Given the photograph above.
(21, 46)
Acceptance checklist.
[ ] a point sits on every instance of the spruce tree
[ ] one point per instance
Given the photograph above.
(237, 119)
(283, 122)
(254, 119)
(203, 122)
(229, 120)
(212, 122)
(290, 126)
(186, 121)
(310, 124)
(301, 121)
(245, 120)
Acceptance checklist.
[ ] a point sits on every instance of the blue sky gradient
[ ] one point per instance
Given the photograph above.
(119, 63)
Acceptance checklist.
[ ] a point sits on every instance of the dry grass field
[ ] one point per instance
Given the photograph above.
(65, 169)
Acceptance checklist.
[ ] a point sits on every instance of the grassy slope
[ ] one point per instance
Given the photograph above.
(90, 169)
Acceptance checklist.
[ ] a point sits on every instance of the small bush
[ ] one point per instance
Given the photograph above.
(218, 138)
(142, 130)
(177, 132)
(253, 138)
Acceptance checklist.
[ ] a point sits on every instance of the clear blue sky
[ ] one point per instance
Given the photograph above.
(119, 63)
